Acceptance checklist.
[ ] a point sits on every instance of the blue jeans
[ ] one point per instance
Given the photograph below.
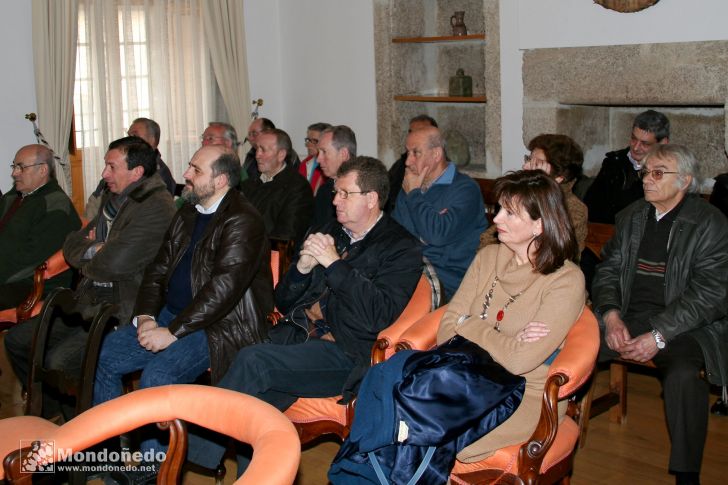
(180, 363)
(278, 375)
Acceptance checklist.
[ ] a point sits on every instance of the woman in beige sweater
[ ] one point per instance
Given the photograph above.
(519, 298)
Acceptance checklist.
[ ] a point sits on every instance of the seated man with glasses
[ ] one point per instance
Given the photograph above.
(36, 215)
(661, 294)
(350, 281)
(309, 166)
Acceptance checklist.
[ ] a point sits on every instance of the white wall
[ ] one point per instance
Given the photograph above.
(17, 86)
(528, 24)
(319, 66)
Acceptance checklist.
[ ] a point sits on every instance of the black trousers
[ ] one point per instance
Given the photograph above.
(686, 397)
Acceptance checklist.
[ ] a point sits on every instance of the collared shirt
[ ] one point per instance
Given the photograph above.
(26, 194)
(635, 164)
(445, 178)
(213, 207)
(364, 233)
(269, 178)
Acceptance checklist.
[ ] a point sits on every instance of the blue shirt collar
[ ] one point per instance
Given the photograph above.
(447, 176)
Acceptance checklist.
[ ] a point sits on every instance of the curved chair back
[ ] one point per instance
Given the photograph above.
(276, 447)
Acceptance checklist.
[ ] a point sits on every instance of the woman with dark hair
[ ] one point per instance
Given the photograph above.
(561, 158)
(481, 388)
(519, 298)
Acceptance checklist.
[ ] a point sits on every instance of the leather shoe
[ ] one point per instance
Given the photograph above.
(720, 408)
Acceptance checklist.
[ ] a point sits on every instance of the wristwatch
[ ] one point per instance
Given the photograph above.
(661, 344)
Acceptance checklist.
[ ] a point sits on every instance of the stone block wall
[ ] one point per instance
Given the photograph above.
(593, 93)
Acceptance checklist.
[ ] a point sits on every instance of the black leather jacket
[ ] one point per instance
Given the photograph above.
(696, 277)
(232, 285)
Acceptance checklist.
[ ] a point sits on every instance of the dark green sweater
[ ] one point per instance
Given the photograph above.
(36, 231)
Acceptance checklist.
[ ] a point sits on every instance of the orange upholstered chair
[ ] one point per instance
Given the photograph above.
(314, 417)
(31, 306)
(547, 457)
(276, 448)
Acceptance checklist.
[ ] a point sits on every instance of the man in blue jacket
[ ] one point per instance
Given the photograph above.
(440, 206)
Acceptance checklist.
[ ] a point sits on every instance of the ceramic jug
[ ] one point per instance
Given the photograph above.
(458, 26)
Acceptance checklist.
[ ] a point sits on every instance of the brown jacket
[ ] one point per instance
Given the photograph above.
(232, 283)
(130, 246)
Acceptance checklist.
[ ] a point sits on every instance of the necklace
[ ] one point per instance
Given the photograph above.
(501, 313)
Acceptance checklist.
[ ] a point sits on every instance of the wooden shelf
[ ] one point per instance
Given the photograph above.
(445, 38)
(440, 98)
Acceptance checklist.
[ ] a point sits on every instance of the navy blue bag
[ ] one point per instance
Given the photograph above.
(415, 411)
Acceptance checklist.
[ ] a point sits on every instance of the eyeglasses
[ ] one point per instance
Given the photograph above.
(344, 194)
(253, 134)
(656, 174)
(529, 158)
(312, 141)
(209, 138)
(20, 168)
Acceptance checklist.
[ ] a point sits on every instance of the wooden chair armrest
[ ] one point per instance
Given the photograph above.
(25, 309)
(422, 335)
(532, 453)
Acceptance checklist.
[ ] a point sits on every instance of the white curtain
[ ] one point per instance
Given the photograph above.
(225, 33)
(54, 59)
(141, 58)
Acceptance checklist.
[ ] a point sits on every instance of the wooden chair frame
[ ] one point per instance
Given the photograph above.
(79, 386)
(562, 383)
(242, 417)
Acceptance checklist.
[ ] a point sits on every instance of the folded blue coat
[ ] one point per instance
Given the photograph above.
(440, 400)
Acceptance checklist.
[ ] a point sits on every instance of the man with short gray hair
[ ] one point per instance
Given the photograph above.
(35, 218)
(661, 294)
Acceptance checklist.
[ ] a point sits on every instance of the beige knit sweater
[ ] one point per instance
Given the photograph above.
(556, 299)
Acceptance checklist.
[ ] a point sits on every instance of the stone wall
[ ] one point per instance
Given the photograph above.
(593, 93)
(424, 68)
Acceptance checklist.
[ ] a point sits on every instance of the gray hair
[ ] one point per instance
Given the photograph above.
(45, 155)
(151, 126)
(687, 164)
(230, 132)
(343, 137)
(319, 126)
(228, 164)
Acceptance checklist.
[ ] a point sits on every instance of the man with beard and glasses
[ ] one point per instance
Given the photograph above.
(206, 294)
